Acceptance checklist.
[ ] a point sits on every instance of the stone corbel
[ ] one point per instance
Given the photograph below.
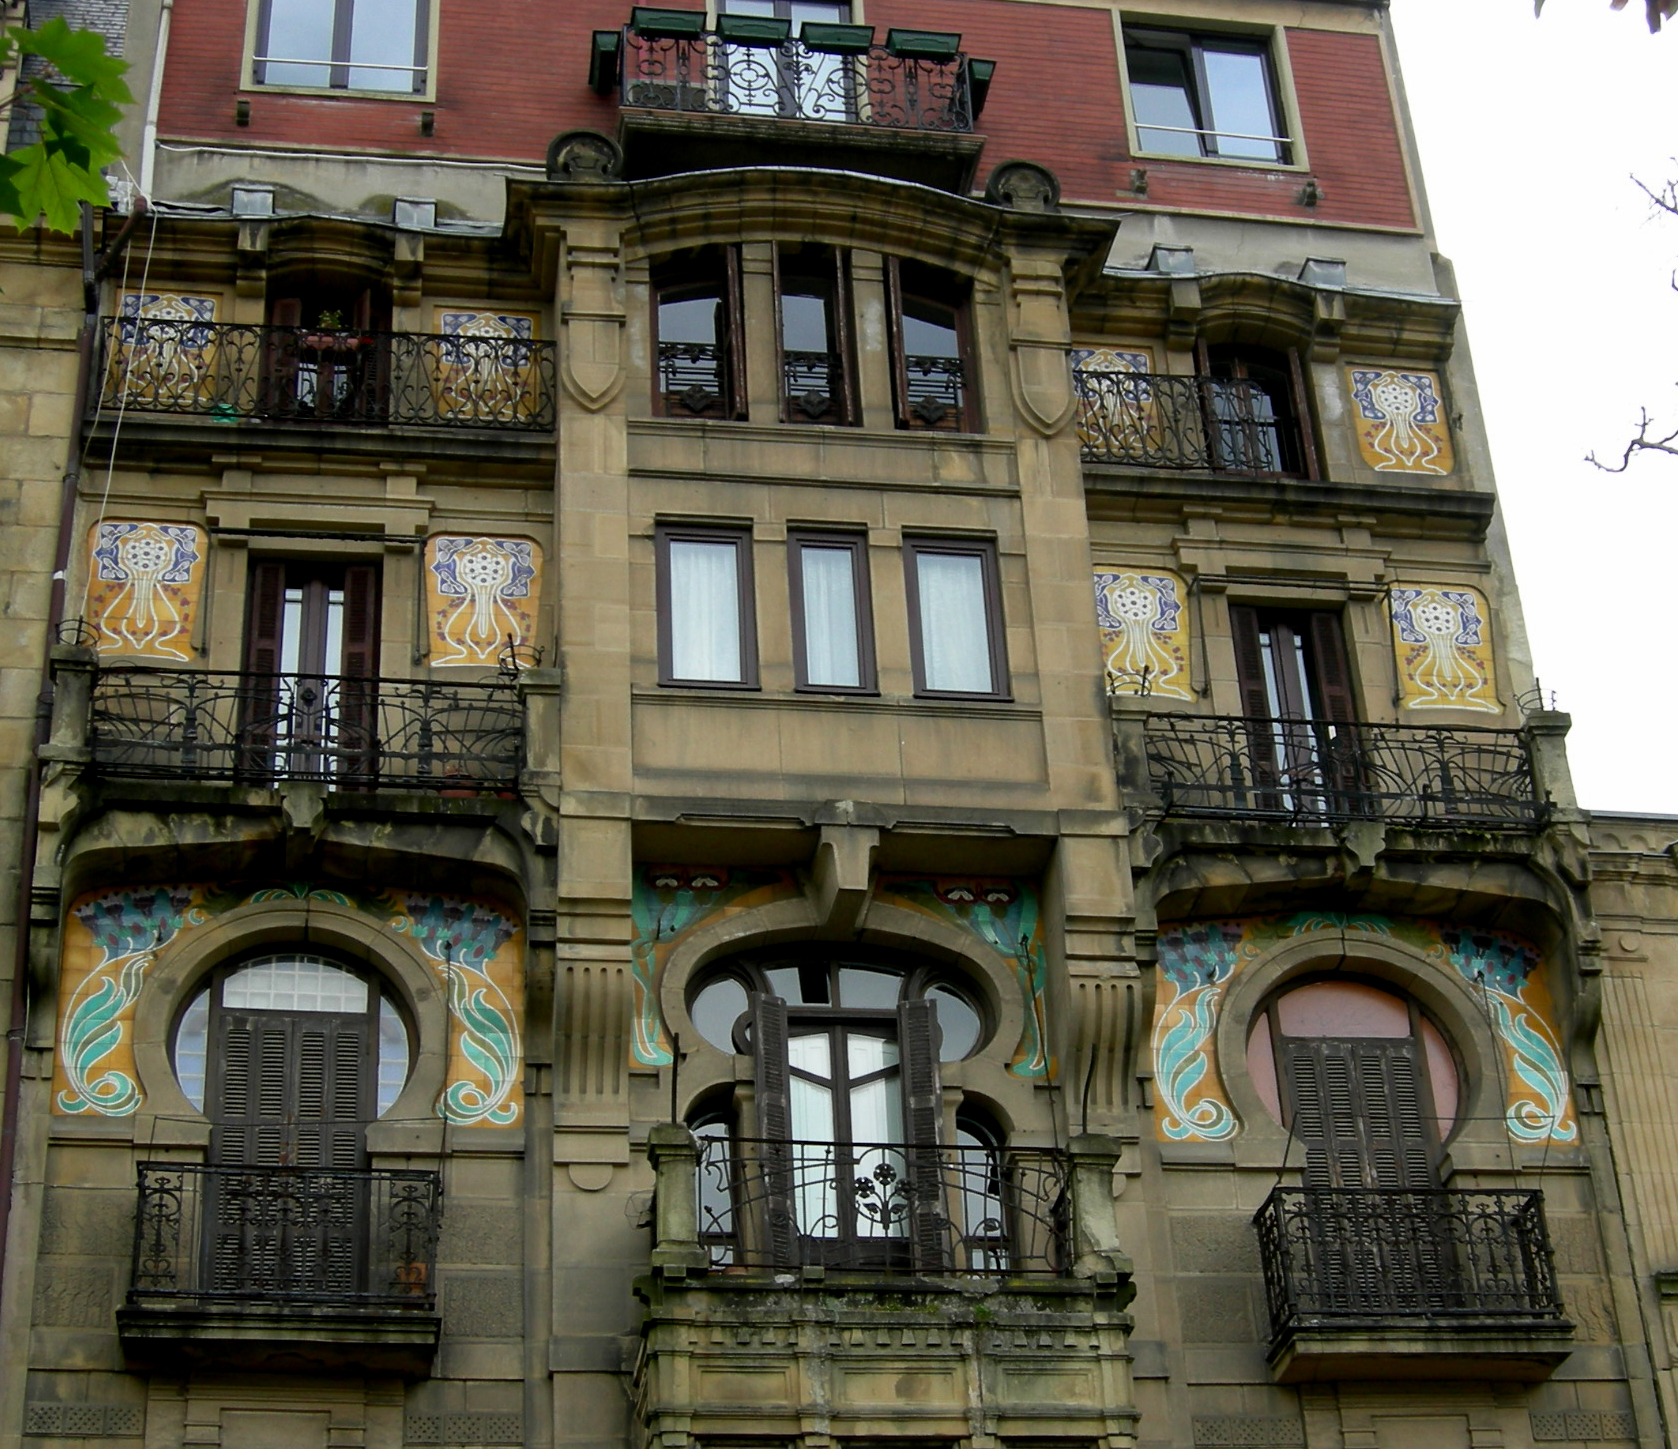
(252, 279)
(592, 324)
(408, 269)
(842, 879)
(1182, 323)
(1037, 325)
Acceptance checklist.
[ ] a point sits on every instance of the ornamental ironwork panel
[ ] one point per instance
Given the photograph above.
(813, 386)
(1343, 1255)
(1149, 420)
(286, 1235)
(1307, 771)
(693, 378)
(408, 734)
(935, 391)
(884, 1207)
(231, 373)
(705, 75)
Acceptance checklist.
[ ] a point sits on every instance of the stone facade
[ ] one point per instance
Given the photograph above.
(830, 873)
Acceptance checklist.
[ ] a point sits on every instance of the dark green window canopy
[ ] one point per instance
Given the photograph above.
(923, 44)
(827, 39)
(753, 30)
(657, 23)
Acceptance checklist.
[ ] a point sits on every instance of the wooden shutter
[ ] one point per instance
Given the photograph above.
(896, 342)
(1301, 420)
(361, 622)
(923, 1111)
(358, 690)
(1357, 1111)
(263, 616)
(279, 357)
(734, 353)
(260, 690)
(779, 1230)
(846, 409)
(1249, 661)
(1332, 669)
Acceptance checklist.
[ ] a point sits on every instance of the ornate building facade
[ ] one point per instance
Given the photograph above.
(792, 724)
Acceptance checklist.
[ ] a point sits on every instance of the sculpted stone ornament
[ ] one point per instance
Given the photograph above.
(584, 156)
(1023, 186)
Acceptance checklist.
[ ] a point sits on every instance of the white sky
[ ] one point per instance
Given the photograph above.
(1530, 131)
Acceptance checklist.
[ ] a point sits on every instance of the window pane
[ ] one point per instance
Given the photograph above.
(298, 30)
(716, 1009)
(868, 1054)
(831, 655)
(870, 990)
(1162, 93)
(393, 1055)
(804, 323)
(692, 320)
(929, 330)
(1239, 96)
(877, 1111)
(382, 34)
(958, 1023)
(294, 983)
(704, 610)
(955, 630)
(190, 1045)
(811, 1053)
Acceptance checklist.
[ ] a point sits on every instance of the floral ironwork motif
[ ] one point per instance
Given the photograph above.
(1152, 420)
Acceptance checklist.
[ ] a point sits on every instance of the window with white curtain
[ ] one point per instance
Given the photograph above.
(706, 629)
(832, 638)
(955, 625)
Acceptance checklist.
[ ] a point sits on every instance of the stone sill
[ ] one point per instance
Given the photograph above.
(278, 1336)
(1518, 1350)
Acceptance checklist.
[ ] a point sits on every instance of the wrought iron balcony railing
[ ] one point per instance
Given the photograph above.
(405, 734)
(851, 83)
(286, 1235)
(1149, 420)
(1353, 1257)
(230, 373)
(1313, 771)
(883, 1207)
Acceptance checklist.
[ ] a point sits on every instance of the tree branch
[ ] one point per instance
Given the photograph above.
(1642, 443)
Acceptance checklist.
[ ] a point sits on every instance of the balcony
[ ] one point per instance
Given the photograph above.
(1219, 425)
(921, 1289)
(746, 92)
(264, 1266)
(1436, 1284)
(1303, 772)
(209, 726)
(297, 376)
(883, 1208)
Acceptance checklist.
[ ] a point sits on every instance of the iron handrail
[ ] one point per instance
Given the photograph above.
(1154, 420)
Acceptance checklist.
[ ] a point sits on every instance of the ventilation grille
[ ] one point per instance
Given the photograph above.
(463, 1429)
(1582, 1426)
(1247, 1431)
(83, 1421)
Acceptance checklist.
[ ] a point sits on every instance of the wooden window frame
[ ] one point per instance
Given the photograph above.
(984, 549)
(740, 535)
(731, 349)
(856, 544)
(966, 416)
(843, 398)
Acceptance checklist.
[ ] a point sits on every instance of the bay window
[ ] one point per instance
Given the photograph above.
(955, 618)
(707, 628)
(832, 641)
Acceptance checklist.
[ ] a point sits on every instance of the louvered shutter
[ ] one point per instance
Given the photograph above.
(261, 690)
(1302, 414)
(923, 1111)
(1331, 668)
(896, 342)
(784, 404)
(358, 704)
(774, 1121)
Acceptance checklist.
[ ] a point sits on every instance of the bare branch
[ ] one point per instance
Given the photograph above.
(1642, 443)
(1666, 198)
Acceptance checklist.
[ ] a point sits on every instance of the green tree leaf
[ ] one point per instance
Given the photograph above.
(79, 56)
(49, 185)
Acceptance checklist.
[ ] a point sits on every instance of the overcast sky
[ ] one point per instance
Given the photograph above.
(1530, 131)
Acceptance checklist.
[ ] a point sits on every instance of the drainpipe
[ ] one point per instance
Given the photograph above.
(148, 135)
(94, 270)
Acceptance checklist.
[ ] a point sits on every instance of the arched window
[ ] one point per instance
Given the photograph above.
(1363, 1080)
(291, 1055)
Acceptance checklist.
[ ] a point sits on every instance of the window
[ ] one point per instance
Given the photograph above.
(832, 641)
(707, 628)
(326, 355)
(357, 45)
(1362, 1079)
(699, 335)
(1204, 95)
(310, 702)
(812, 319)
(1256, 401)
(847, 1046)
(955, 618)
(931, 369)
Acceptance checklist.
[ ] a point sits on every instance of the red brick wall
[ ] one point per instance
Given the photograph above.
(512, 74)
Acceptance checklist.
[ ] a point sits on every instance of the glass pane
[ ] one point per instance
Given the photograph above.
(704, 610)
(1162, 93)
(298, 30)
(958, 1022)
(1239, 94)
(691, 320)
(784, 982)
(831, 653)
(291, 631)
(812, 1053)
(382, 45)
(294, 983)
(393, 1055)
(812, 1111)
(191, 1038)
(746, 7)
(865, 1055)
(929, 330)
(716, 1201)
(716, 1009)
(804, 323)
(819, 11)
(877, 1111)
(869, 990)
(955, 628)
(334, 656)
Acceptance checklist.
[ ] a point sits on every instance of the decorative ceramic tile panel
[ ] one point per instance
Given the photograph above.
(145, 584)
(1198, 964)
(1144, 631)
(112, 939)
(482, 595)
(1442, 639)
(1098, 414)
(490, 381)
(156, 363)
(1400, 419)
